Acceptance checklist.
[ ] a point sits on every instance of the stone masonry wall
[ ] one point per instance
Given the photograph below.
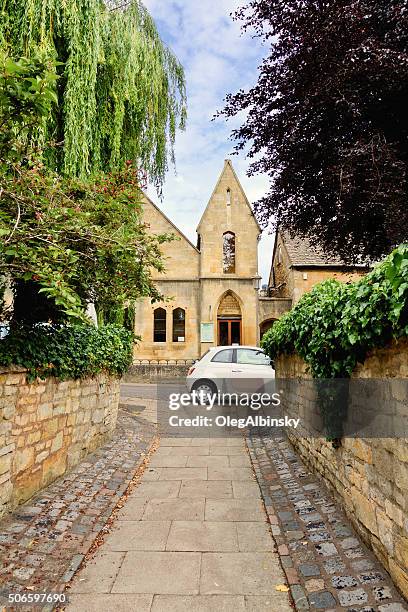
(156, 373)
(47, 427)
(369, 476)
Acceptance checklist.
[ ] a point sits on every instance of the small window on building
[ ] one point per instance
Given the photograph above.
(228, 197)
(179, 325)
(279, 254)
(228, 254)
(199, 242)
(159, 326)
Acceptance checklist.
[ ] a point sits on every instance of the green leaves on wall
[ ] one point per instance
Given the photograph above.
(334, 326)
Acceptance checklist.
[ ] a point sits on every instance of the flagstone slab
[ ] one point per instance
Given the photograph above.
(99, 574)
(159, 573)
(230, 473)
(190, 451)
(242, 460)
(161, 490)
(118, 603)
(169, 461)
(175, 509)
(175, 442)
(202, 536)
(234, 510)
(198, 603)
(240, 573)
(245, 488)
(133, 509)
(254, 537)
(138, 535)
(213, 489)
(225, 450)
(274, 602)
(214, 461)
(199, 473)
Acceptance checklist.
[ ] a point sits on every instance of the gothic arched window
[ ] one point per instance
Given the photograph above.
(159, 325)
(228, 252)
(179, 325)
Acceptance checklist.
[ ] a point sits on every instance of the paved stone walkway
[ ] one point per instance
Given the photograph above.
(326, 564)
(43, 542)
(193, 536)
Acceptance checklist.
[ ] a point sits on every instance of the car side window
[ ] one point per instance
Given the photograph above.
(251, 357)
(224, 356)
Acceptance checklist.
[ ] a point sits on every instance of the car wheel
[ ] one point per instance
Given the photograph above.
(206, 387)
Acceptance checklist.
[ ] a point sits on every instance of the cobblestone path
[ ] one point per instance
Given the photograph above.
(43, 542)
(326, 564)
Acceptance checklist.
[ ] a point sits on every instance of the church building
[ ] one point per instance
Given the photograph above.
(211, 288)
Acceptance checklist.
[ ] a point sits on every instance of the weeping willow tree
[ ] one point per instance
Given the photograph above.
(121, 91)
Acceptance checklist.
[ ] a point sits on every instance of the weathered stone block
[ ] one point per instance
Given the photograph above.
(5, 463)
(4, 450)
(54, 466)
(401, 549)
(41, 456)
(401, 476)
(364, 510)
(45, 412)
(25, 486)
(394, 512)
(6, 490)
(9, 410)
(50, 428)
(23, 459)
(15, 379)
(400, 577)
(385, 533)
(57, 442)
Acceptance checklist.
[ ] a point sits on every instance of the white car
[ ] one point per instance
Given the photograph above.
(231, 369)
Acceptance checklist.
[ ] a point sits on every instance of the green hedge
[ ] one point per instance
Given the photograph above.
(68, 351)
(334, 326)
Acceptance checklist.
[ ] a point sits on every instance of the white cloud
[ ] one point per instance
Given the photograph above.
(217, 60)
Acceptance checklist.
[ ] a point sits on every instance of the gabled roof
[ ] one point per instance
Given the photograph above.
(303, 254)
(178, 231)
(228, 164)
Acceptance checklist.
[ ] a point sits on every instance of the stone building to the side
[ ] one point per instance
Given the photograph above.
(211, 289)
(296, 268)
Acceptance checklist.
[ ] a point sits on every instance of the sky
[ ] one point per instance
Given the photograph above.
(218, 59)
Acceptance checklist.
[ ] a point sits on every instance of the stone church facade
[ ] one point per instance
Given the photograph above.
(210, 289)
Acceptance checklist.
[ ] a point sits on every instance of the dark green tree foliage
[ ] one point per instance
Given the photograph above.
(68, 351)
(327, 120)
(121, 91)
(64, 242)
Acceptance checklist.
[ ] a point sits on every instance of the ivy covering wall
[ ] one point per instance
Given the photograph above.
(121, 91)
(335, 325)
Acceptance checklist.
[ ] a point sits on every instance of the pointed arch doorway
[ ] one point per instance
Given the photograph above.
(229, 320)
